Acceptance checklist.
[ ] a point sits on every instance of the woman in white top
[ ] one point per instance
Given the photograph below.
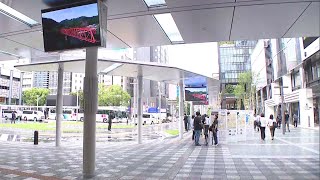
(271, 123)
(191, 126)
(263, 124)
(207, 123)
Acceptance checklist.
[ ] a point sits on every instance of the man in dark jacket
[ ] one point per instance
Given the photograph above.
(13, 117)
(185, 119)
(215, 130)
(197, 124)
(111, 116)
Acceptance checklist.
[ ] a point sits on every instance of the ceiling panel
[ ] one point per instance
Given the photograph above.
(116, 7)
(138, 31)
(308, 24)
(264, 21)
(181, 3)
(8, 25)
(204, 25)
(29, 8)
(14, 48)
(273, 1)
(114, 42)
(31, 39)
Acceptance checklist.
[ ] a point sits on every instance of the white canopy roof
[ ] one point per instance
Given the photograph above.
(149, 70)
(131, 23)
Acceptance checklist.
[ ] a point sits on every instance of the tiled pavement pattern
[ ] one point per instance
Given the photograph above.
(292, 156)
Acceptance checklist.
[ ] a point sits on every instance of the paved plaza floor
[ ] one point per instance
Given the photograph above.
(294, 155)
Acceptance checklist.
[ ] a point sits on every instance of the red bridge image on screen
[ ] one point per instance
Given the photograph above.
(85, 33)
(200, 96)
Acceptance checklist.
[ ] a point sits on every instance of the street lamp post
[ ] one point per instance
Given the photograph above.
(78, 108)
(281, 87)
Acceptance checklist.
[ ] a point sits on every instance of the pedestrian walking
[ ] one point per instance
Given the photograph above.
(214, 128)
(279, 119)
(185, 119)
(191, 126)
(295, 120)
(286, 117)
(256, 122)
(197, 124)
(13, 117)
(272, 125)
(206, 125)
(263, 124)
(110, 117)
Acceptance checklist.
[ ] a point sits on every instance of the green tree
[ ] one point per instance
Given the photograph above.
(31, 96)
(108, 96)
(245, 90)
(229, 89)
(113, 96)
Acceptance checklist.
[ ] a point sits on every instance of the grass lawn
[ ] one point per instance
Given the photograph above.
(173, 132)
(67, 126)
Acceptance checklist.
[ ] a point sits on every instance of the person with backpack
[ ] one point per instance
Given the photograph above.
(197, 124)
(263, 124)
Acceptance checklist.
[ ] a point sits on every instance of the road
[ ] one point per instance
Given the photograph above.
(75, 132)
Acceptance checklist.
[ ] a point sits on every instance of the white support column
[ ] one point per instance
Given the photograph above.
(59, 104)
(90, 109)
(135, 101)
(159, 88)
(302, 77)
(191, 109)
(139, 113)
(181, 108)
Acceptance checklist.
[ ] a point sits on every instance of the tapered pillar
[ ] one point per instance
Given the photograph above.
(139, 113)
(90, 109)
(191, 109)
(181, 108)
(59, 104)
(135, 99)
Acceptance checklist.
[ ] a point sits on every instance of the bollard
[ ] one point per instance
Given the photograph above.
(35, 137)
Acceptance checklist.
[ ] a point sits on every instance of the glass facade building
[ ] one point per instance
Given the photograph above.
(234, 59)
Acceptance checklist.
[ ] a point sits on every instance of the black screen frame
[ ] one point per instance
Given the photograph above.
(82, 3)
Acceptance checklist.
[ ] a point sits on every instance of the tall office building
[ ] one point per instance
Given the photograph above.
(53, 83)
(41, 79)
(10, 86)
(157, 54)
(234, 59)
(296, 66)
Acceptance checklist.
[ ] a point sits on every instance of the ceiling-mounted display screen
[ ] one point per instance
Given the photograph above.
(195, 94)
(71, 27)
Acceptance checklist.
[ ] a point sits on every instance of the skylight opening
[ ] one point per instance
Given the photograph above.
(155, 3)
(169, 27)
(12, 13)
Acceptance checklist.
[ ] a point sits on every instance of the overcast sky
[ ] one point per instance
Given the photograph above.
(200, 58)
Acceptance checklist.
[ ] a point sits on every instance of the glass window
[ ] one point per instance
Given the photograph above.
(318, 70)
